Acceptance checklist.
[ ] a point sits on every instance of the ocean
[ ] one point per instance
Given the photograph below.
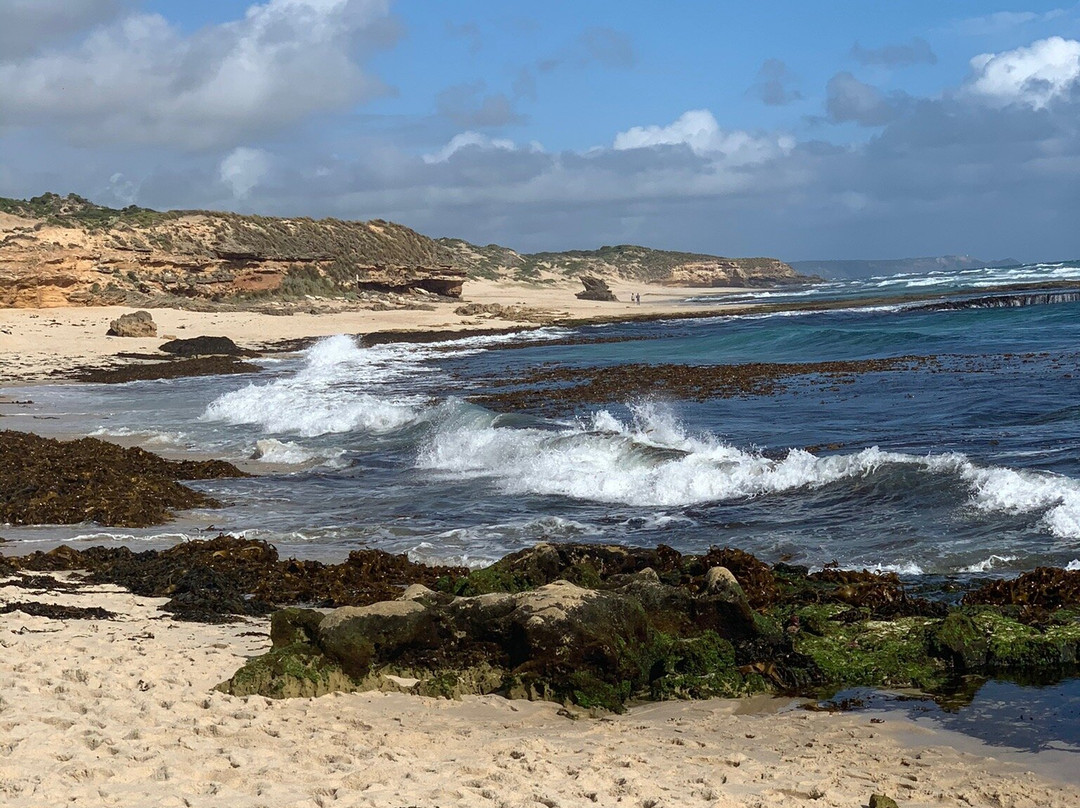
(962, 460)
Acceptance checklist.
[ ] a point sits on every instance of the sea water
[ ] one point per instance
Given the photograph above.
(965, 465)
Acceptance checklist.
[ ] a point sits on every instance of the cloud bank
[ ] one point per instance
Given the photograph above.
(265, 113)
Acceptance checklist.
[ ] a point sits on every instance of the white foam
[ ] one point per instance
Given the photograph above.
(651, 461)
(271, 450)
(332, 393)
(480, 545)
(1003, 490)
(1074, 565)
(902, 568)
(987, 564)
(146, 437)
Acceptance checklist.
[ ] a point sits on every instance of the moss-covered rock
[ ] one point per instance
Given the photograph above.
(874, 653)
(959, 640)
(297, 670)
(595, 648)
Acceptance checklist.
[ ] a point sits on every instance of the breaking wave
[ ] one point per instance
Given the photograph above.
(651, 460)
(341, 388)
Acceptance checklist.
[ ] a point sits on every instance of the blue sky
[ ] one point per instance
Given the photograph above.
(799, 130)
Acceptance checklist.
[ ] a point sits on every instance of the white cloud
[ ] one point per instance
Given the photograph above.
(466, 139)
(243, 168)
(143, 80)
(698, 129)
(1035, 75)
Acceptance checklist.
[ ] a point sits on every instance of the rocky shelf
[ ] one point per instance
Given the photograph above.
(596, 626)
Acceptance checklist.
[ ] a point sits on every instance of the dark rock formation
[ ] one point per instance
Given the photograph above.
(560, 641)
(593, 625)
(596, 289)
(204, 346)
(441, 280)
(45, 481)
(1004, 301)
(136, 324)
(557, 388)
(172, 369)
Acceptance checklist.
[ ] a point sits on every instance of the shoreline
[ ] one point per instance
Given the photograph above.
(47, 344)
(55, 344)
(123, 712)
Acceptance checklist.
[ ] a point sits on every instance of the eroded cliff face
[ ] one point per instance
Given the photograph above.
(67, 251)
(64, 251)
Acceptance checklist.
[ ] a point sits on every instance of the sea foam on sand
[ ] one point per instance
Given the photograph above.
(122, 713)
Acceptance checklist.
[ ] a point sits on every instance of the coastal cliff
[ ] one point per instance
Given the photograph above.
(59, 251)
(68, 251)
(625, 261)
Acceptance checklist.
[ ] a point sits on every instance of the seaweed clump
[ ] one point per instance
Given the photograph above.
(225, 577)
(46, 481)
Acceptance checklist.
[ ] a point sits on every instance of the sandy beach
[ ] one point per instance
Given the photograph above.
(35, 343)
(122, 712)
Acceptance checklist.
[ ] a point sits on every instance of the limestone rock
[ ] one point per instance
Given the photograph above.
(136, 324)
(560, 641)
(596, 289)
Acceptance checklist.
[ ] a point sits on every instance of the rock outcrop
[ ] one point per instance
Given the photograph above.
(560, 641)
(626, 261)
(595, 625)
(67, 251)
(203, 346)
(596, 289)
(135, 324)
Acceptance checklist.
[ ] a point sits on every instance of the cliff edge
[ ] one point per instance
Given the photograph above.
(67, 251)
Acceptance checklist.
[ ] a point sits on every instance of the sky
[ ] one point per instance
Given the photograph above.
(837, 129)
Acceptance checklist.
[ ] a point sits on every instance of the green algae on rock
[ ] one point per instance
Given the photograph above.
(559, 641)
(592, 625)
(640, 624)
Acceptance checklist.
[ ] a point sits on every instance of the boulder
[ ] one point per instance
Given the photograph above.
(136, 324)
(881, 801)
(203, 346)
(596, 289)
(560, 641)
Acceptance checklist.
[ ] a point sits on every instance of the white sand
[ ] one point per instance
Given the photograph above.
(35, 342)
(121, 713)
